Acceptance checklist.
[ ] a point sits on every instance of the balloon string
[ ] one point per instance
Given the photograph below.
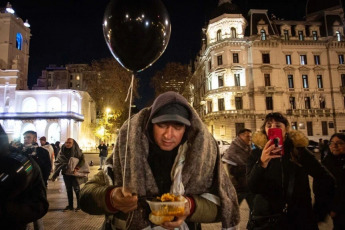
(130, 93)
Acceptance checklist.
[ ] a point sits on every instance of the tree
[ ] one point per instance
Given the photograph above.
(173, 77)
(107, 83)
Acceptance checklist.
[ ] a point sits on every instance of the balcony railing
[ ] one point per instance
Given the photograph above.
(269, 89)
(230, 113)
(226, 89)
(308, 112)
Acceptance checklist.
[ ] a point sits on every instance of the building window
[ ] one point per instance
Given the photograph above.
(238, 103)
(290, 81)
(220, 81)
(263, 35)
(307, 103)
(343, 80)
(324, 128)
(314, 35)
(267, 79)
(269, 103)
(220, 60)
(235, 58)
(322, 103)
(305, 81)
(288, 59)
(286, 35)
(71, 77)
(233, 32)
(237, 79)
(292, 102)
(303, 59)
(317, 59)
(294, 125)
(266, 58)
(220, 104)
(209, 106)
(209, 65)
(219, 35)
(209, 83)
(341, 58)
(338, 35)
(300, 35)
(70, 85)
(309, 128)
(319, 81)
(19, 41)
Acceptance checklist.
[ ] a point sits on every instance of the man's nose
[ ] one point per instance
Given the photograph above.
(168, 132)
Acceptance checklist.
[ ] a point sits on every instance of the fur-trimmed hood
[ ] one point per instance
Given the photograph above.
(298, 139)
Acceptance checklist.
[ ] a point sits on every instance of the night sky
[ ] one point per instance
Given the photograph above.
(70, 31)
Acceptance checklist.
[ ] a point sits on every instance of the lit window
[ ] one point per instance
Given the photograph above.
(288, 59)
(303, 59)
(300, 35)
(237, 79)
(305, 81)
(337, 33)
(290, 81)
(317, 59)
(319, 81)
(77, 78)
(219, 35)
(314, 35)
(233, 32)
(19, 41)
(263, 35)
(341, 58)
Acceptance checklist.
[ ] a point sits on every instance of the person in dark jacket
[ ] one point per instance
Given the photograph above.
(69, 149)
(169, 151)
(235, 160)
(103, 153)
(335, 163)
(280, 181)
(23, 197)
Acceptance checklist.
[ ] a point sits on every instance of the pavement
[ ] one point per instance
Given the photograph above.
(56, 219)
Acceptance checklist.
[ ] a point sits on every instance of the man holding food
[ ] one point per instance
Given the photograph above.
(170, 151)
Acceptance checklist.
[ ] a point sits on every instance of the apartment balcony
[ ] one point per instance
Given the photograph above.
(308, 112)
(230, 113)
(270, 89)
(226, 89)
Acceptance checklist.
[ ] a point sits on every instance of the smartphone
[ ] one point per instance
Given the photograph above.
(275, 134)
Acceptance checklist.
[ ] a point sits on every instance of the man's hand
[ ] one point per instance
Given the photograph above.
(179, 219)
(123, 200)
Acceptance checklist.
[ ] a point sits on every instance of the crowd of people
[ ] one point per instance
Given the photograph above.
(166, 149)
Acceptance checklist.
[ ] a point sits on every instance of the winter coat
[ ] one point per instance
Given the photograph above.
(103, 150)
(24, 204)
(236, 157)
(202, 172)
(63, 157)
(271, 184)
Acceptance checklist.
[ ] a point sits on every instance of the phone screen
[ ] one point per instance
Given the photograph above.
(276, 135)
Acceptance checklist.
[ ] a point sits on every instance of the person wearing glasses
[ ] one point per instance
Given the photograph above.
(335, 163)
(278, 176)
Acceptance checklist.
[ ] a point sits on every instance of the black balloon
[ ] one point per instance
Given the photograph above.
(136, 32)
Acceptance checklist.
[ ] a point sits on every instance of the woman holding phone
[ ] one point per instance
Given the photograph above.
(277, 173)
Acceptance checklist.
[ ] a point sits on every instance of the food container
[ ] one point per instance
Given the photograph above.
(168, 208)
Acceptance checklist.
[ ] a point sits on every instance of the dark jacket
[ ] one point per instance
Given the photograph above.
(271, 184)
(103, 150)
(336, 165)
(42, 157)
(25, 200)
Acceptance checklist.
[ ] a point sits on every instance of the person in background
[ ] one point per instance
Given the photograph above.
(279, 179)
(103, 153)
(49, 148)
(57, 149)
(335, 163)
(235, 159)
(23, 197)
(69, 149)
(169, 151)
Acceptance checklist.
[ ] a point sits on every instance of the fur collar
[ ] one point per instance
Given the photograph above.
(298, 138)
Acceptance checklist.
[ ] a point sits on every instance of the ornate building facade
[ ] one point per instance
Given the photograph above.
(250, 66)
(56, 114)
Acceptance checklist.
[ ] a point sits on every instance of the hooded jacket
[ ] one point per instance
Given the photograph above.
(201, 174)
(271, 185)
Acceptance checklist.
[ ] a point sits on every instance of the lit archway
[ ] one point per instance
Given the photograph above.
(29, 105)
(53, 104)
(54, 133)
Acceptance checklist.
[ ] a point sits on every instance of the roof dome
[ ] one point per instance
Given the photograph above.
(225, 7)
